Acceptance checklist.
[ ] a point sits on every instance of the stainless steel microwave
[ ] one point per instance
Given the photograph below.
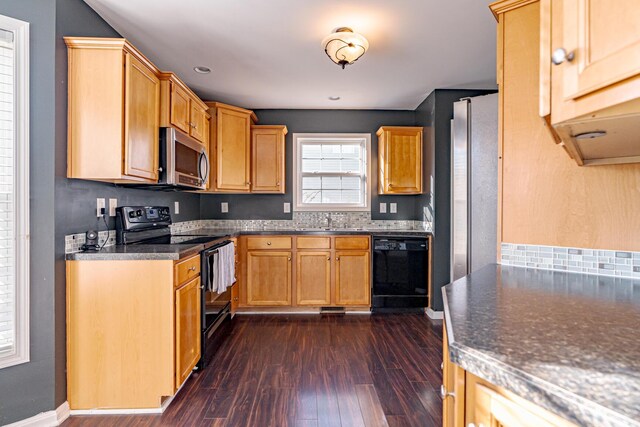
(183, 160)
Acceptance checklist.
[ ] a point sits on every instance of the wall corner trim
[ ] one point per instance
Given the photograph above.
(45, 419)
(434, 315)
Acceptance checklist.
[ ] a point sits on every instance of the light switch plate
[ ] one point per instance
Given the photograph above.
(383, 208)
(224, 207)
(176, 208)
(100, 204)
(287, 208)
(113, 204)
(393, 207)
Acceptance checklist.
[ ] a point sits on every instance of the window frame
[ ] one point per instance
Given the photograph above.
(298, 140)
(20, 353)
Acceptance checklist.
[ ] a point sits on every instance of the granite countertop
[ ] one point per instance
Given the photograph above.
(175, 252)
(568, 342)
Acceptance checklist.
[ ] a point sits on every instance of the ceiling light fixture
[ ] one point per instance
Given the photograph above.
(334, 98)
(201, 69)
(344, 47)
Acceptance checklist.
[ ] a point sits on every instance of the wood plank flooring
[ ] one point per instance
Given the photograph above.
(310, 371)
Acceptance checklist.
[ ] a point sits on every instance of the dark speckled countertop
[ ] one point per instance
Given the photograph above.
(568, 342)
(175, 252)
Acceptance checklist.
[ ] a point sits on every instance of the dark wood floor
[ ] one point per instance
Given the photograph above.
(304, 371)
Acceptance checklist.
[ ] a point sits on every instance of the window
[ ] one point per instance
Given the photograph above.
(331, 172)
(14, 192)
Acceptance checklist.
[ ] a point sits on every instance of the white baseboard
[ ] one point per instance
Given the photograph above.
(434, 315)
(45, 419)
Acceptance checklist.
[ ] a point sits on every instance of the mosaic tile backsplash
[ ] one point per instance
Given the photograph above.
(74, 242)
(577, 260)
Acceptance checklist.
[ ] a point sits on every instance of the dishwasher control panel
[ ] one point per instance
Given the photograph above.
(399, 244)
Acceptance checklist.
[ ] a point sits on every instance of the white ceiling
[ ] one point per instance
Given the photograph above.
(267, 53)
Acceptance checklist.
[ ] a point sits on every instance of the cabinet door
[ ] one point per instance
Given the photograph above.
(142, 118)
(267, 161)
(234, 297)
(199, 118)
(268, 278)
(180, 108)
(313, 278)
(453, 387)
(605, 39)
(401, 161)
(187, 329)
(353, 285)
(233, 154)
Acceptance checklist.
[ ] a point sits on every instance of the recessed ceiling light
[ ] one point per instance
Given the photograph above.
(334, 98)
(202, 70)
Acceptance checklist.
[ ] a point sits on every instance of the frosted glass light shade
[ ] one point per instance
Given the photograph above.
(345, 47)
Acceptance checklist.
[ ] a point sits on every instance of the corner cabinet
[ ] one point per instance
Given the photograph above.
(590, 78)
(230, 148)
(149, 334)
(399, 160)
(113, 112)
(181, 108)
(268, 159)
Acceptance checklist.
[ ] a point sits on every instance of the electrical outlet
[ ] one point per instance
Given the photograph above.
(287, 208)
(393, 207)
(176, 208)
(100, 206)
(383, 208)
(224, 207)
(113, 204)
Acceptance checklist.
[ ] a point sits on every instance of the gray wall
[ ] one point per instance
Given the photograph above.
(28, 389)
(436, 112)
(318, 121)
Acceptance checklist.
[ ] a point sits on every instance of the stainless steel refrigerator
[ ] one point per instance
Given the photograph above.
(474, 184)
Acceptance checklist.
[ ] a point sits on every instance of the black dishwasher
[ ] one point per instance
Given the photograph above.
(400, 273)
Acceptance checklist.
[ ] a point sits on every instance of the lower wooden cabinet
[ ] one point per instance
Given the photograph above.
(468, 400)
(268, 278)
(313, 278)
(147, 338)
(353, 283)
(328, 271)
(187, 329)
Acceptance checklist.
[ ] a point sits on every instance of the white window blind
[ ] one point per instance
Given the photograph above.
(331, 172)
(7, 223)
(14, 196)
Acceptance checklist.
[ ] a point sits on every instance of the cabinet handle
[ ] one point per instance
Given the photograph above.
(268, 243)
(192, 269)
(289, 259)
(235, 299)
(560, 55)
(328, 258)
(442, 366)
(444, 393)
(337, 258)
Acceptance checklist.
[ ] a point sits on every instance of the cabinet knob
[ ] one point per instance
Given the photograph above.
(328, 258)
(192, 268)
(235, 299)
(444, 393)
(289, 259)
(337, 258)
(268, 243)
(442, 366)
(560, 55)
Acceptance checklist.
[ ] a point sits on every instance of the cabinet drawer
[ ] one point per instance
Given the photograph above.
(187, 270)
(352, 242)
(313, 242)
(268, 242)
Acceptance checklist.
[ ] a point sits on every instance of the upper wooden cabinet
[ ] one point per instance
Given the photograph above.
(113, 112)
(267, 159)
(182, 108)
(230, 148)
(590, 78)
(399, 160)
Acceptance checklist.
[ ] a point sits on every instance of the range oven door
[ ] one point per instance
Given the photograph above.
(184, 161)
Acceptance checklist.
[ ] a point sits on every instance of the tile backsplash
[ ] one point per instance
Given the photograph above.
(577, 260)
(74, 242)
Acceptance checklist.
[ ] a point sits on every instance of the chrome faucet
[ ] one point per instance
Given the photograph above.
(329, 220)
